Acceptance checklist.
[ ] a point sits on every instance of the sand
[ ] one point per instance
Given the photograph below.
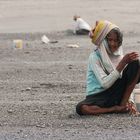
(42, 83)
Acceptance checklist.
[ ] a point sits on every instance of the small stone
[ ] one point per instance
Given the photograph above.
(20, 131)
(36, 110)
(41, 126)
(10, 111)
(45, 113)
(28, 89)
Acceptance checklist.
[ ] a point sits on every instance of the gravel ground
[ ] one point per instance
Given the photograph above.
(41, 84)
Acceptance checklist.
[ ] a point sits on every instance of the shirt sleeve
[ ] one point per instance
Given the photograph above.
(106, 80)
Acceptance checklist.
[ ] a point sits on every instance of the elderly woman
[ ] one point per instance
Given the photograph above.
(111, 77)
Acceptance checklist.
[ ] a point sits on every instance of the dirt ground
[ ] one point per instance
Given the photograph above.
(41, 84)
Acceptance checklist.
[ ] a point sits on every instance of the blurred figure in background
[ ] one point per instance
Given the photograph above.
(81, 26)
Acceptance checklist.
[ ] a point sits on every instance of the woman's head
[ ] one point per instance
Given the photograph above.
(106, 30)
(108, 39)
(114, 39)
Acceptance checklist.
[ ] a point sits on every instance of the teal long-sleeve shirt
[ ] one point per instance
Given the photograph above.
(98, 79)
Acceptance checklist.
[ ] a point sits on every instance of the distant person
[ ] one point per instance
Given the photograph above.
(81, 26)
(111, 77)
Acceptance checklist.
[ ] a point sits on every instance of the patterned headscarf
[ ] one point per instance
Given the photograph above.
(98, 36)
(102, 28)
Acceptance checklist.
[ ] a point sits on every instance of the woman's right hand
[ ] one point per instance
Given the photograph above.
(128, 58)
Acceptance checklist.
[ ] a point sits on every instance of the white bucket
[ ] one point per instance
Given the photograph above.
(18, 44)
(137, 98)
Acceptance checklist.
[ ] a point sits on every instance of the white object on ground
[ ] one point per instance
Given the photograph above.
(137, 90)
(81, 24)
(137, 98)
(73, 46)
(18, 43)
(45, 39)
(137, 95)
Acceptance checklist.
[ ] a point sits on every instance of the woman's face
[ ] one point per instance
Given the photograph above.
(113, 42)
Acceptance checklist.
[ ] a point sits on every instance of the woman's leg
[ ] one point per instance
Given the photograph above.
(132, 75)
(95, 110)
(130, 88)
(125, 100)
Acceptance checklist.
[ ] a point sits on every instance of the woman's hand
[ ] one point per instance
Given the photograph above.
(128, 58)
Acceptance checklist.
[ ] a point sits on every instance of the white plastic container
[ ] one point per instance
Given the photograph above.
(137, 98)
(18, 44)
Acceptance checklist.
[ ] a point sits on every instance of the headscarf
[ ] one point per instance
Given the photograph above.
(99, 34)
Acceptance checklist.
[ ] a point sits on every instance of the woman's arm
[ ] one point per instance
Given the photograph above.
(106, 80)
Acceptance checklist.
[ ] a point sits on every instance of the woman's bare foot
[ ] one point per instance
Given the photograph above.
(95, 110)
(119, 109)
(131, 107)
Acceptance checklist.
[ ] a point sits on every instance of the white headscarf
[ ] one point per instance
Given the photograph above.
(109, 59)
